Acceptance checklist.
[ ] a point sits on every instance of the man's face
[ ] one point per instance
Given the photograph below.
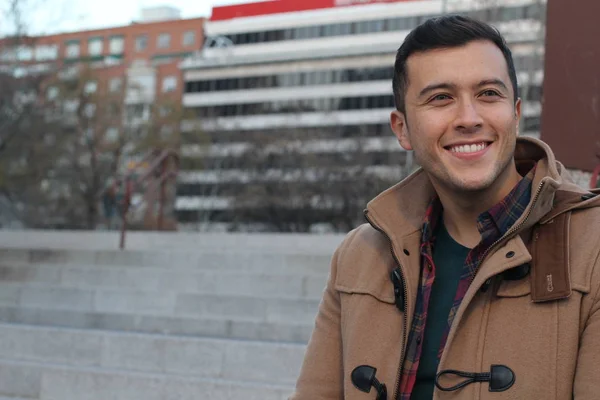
(461, 119)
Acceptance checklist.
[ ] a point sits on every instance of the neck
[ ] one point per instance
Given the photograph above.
(461, 209)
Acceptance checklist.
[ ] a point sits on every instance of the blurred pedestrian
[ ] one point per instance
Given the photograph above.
(109, 201)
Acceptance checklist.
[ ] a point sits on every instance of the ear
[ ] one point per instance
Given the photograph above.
(400, 128)
(518, 113)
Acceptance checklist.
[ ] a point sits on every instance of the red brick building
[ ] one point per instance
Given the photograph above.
(108, 86)
(145, 53)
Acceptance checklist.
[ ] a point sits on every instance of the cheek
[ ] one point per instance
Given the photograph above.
(427, 130)
(505, 120)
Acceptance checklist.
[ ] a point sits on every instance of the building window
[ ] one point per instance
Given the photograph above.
(87, 137)
(376, 26)
(111, 135)
(169, 84)
(140, 88)
(52, 93)
(534, 11)
(189, 38)
(24, 53)
(117, 45)
(95, 46)
(302, 33)
(46, 52)
(115, 85)
(510, 13)
(70, 106)
(89, 110)
(361, 27)
(90, 87)
(330, 30)
(8, 54)
(163, 41)
(72, 49)
(318, 105)
(141, 43)
(291, 79)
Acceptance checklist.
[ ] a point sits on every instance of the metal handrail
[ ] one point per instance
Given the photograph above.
(159, 164)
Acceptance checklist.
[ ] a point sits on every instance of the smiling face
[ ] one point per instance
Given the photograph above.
(461, 119)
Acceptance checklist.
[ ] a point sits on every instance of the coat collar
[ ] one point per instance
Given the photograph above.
(399, 211)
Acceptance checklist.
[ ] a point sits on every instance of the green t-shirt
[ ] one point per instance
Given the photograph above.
(449, 258)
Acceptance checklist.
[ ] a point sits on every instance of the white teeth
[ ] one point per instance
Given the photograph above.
(468, 148)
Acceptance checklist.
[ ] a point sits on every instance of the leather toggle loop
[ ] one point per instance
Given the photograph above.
(500, 377)
(398, 282)
(588, 196)
(363, 378)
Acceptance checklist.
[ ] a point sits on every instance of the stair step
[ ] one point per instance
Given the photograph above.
(275, 284)
(268, 309)
(46, 381)
(233, 328)
(234, 360)
(86, 241)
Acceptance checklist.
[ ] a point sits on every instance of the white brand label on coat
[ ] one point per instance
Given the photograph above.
(549, 284)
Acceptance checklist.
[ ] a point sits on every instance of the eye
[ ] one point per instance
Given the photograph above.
(440, 97)
(490, 92)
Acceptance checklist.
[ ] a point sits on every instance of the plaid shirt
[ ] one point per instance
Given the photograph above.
(492, 225)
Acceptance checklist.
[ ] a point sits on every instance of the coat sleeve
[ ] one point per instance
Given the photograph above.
(321, 376)
(587, 374)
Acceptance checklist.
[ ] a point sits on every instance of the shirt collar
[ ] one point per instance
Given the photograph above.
(497, 220)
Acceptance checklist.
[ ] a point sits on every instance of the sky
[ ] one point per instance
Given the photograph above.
(53, 16)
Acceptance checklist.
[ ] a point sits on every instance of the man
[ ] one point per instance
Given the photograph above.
(478, 276)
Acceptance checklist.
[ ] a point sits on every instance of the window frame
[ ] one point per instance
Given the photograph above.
(165, 88)
(186, 35)
(74, 44)
(111, 44)
(92, 49)
(160, 40)
(141, 43)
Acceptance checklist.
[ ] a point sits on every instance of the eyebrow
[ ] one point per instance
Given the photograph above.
(436, 86)
(494, 81)
(450, 86)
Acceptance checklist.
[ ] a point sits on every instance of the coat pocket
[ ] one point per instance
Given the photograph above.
(377, 284)
(364, 297)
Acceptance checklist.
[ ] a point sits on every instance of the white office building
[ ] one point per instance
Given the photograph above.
(283, 67)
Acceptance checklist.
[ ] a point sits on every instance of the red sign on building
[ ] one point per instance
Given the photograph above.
(284, 6)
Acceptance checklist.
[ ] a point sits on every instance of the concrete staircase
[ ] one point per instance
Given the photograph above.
(226, 319)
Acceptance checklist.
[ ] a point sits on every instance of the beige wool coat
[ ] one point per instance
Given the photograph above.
(542, 322)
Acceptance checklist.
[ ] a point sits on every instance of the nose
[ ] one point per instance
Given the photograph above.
(468, 119)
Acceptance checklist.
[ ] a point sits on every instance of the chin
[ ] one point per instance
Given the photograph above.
(472, 184)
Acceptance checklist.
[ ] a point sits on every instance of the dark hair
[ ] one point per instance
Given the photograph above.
(445, 32)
